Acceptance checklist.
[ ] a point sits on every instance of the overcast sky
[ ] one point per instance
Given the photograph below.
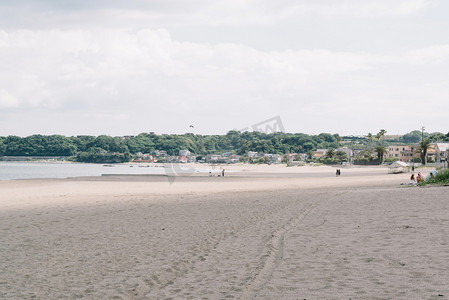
(124, 67)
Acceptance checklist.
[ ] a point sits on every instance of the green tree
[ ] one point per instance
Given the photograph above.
(412, 137)
(341, 156)
(2, 147)
(380, 135)
(381, 151)
(330, 153)
(437, 137)
(310, 154)
(370, 139)
(423, 147)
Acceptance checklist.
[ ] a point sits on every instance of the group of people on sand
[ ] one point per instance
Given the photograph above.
(222, 173)
(338, 173)
(419, 178)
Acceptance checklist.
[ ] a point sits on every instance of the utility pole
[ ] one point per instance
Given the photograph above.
(422, 144)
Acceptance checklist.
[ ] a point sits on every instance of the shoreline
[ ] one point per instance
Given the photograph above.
(33, 193)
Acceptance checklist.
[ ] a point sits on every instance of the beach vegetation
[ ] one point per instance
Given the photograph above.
(381, 151)
(417, 160)
(366, 157)
(333, 157)
(442, 177)
(391, 159)
(99, 155)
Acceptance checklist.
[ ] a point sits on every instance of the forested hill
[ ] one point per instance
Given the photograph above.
(233, 141)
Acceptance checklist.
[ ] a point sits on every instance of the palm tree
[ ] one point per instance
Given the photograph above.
(423, 147)
(310, 154)
(381, 151)
(370, 139)
(377, 137)
(382, 132)
(330, 153)
(380, 135)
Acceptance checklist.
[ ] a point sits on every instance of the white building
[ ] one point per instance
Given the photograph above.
(442, 150)
(184, 152)
(252, 154)
(347, 151)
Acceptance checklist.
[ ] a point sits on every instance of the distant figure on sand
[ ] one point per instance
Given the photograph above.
(210, 174)
(338, 173)
(222, 172)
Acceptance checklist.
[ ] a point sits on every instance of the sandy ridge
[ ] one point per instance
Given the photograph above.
(275, 247)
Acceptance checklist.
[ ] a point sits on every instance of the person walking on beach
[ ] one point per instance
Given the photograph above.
(222, 173)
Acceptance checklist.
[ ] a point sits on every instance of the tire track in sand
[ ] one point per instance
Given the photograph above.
(275, 247)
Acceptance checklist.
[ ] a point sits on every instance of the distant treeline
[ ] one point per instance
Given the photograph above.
(233, 141)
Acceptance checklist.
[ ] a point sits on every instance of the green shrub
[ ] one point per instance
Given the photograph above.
(391, 159)
(442, 177)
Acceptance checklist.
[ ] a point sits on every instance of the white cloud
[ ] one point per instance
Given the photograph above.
(145, 78)
(165, 13)
(244, 12)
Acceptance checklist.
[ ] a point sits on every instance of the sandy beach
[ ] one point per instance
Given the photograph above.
(261, 232)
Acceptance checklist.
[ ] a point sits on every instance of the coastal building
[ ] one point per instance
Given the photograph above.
(141, 157)
(233, 159)
(172, 159)
(219, 159)
(184, 153)
(303, 156)
(252, 154)
(320, 153)
(290, 157)
(212, 158)
(431, 153)
(403, 153)
(442, 151)
(347, 151)
(191, 158)
(275, 158)
(160, 153)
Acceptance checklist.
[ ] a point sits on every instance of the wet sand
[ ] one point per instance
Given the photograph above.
(359, 236)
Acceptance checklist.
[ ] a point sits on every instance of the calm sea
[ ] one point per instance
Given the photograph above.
(27, 170)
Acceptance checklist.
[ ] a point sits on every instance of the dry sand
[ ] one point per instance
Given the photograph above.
(261, 233)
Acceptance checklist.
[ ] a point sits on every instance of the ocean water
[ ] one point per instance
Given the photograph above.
(28, 170)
